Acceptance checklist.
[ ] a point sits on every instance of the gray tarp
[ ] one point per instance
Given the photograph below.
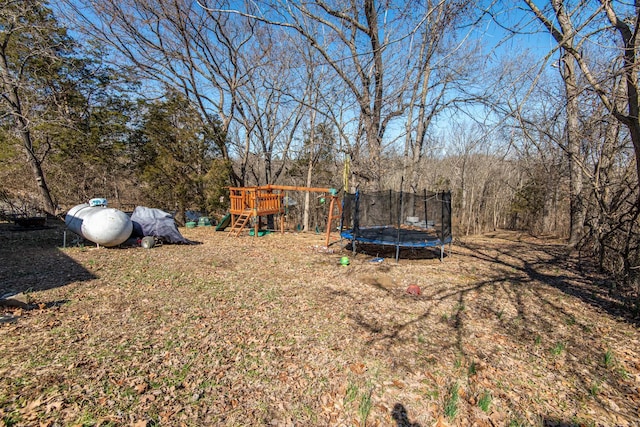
(156, 223)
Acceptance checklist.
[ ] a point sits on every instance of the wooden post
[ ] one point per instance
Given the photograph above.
(330, 218)
(256, 227)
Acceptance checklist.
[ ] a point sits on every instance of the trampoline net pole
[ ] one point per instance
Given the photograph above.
(399, 223)
(356, 221)
(441, 197)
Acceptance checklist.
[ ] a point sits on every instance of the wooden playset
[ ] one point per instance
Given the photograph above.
(256, 202)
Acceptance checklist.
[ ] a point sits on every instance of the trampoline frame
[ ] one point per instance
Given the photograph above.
(405, 237)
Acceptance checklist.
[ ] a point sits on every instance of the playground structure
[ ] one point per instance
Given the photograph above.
(256, 202)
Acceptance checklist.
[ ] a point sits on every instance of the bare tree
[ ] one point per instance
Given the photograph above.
(367, 45)
(564, 35)
(268, 111)
(433, 73)
(621, 23)
(207, 56)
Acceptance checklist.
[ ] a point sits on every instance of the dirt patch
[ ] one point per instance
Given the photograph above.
(381, 281)
(275, 331)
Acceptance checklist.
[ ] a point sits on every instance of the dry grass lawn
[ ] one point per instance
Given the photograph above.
(274, 331)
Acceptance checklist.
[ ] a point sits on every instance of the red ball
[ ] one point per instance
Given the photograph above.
(414, 290)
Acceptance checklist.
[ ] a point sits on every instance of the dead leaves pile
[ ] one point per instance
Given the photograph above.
(274, 331)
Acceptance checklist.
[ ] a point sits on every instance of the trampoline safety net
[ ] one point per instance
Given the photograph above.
(401, 219)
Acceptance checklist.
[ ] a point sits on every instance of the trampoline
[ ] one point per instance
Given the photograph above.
(399, 219)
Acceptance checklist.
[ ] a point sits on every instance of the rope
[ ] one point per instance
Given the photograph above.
(345, 173)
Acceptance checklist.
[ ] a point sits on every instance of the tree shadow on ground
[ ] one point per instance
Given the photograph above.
(585, 284)
(556, 422)
(389, 252)
(31, 270)
(401, 417)
(522, 278)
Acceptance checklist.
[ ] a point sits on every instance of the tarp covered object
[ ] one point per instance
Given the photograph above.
(156, 223)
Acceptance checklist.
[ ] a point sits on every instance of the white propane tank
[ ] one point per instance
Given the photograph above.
(104, 226)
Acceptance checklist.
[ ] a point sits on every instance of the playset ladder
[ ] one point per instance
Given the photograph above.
(240, 223)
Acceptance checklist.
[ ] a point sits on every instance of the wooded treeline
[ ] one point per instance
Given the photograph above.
(527, 111)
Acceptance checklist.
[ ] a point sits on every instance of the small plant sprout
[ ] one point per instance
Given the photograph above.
(458, 362)
(594, 390)
(451, 405)
(571, 320)
(608, 359)
(351, 394)
(484, 402)
(364, 409)
(558, 348)
(473, 369)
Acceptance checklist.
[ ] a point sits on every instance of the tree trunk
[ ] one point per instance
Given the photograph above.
(577, 206)
(375, 131)
(35, 165)
(22, 124)
(312, 151)
(307, 198)
(564, 36)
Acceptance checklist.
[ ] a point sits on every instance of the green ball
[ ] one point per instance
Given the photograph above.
(344, 260)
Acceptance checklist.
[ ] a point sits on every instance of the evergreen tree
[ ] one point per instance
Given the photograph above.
(175, 157)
